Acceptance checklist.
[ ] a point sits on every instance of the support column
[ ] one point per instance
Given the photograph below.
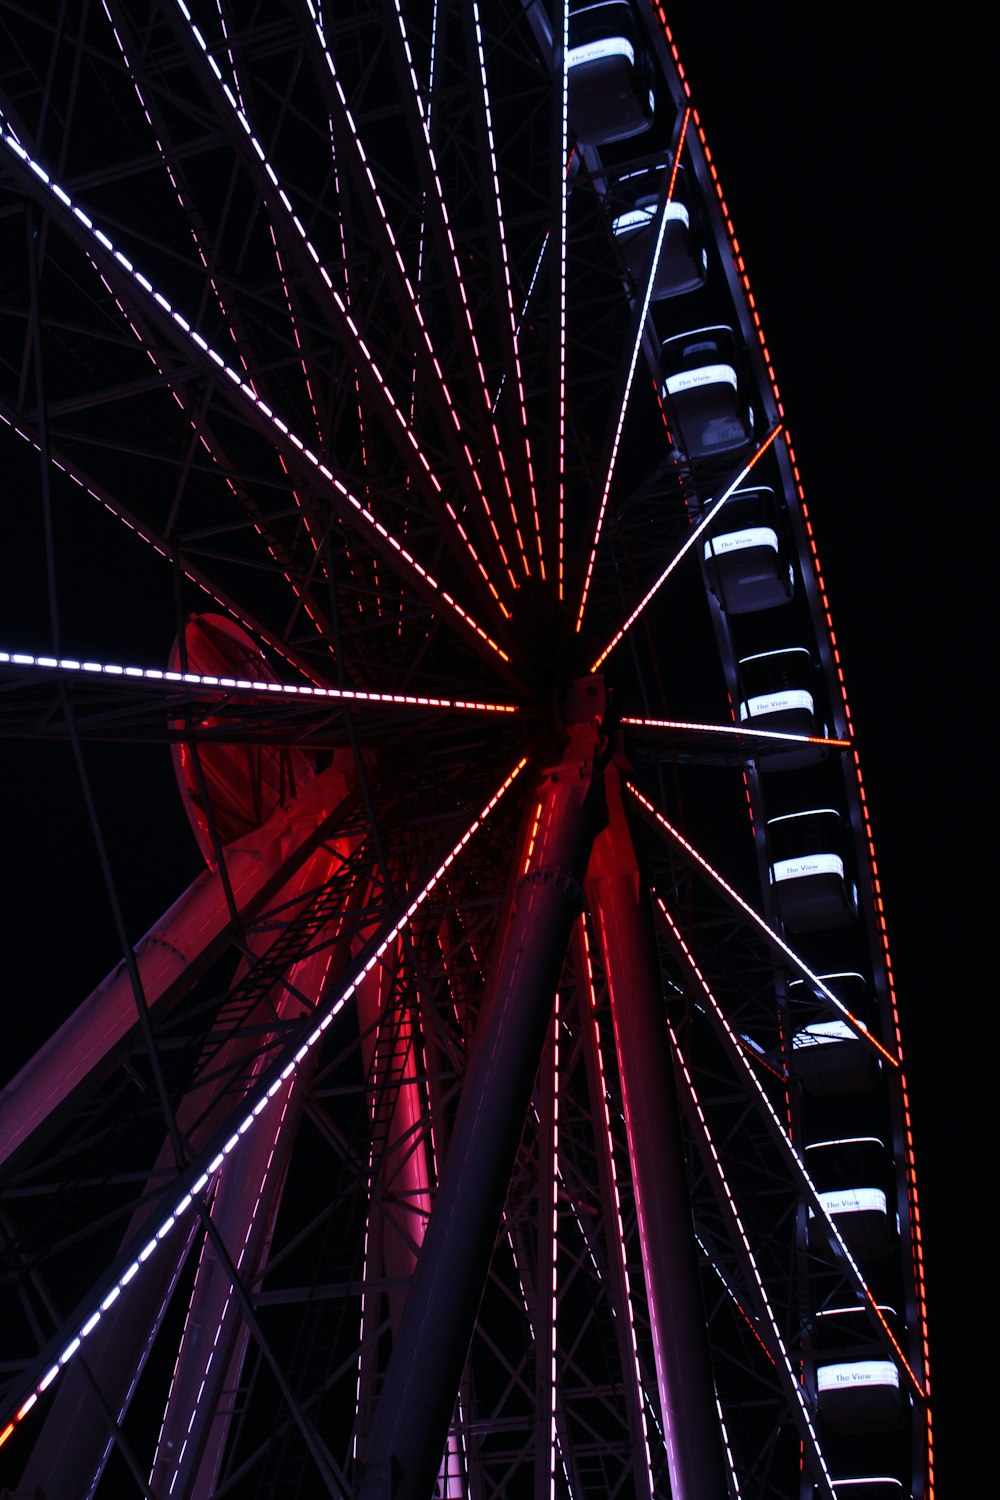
(408, 1434)
(620, 908)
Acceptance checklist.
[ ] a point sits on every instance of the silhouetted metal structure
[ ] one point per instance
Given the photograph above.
(399, 362)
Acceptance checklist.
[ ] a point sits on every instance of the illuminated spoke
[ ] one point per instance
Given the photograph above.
(794, 1390)
(793, 1161)
(773, 937)
(196, 1181)
(685, 547)
(639, 329)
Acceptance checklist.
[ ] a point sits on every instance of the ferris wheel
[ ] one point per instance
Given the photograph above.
(510, 1100)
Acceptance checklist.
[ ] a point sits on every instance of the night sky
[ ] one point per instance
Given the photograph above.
(851, 170)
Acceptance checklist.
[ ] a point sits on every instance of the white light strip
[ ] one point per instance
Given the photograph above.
(508, 290)
(244, 686)
(619, 1240)
(277, 1083)
(243, 386)
(686, 546)
(464, 299)
(640, 329)
(563, 222)
(414, 301)
(769, 932)
(777, 735)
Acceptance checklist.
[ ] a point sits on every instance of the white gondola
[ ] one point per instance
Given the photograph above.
(776, 693)
(860, 1395)
(610, 94)
(746, 561)
(829, 1059)
(851, 1175)
(704, 394)
(683, 260)
(808, 870)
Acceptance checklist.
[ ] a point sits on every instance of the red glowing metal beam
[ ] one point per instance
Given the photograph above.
(640, 325)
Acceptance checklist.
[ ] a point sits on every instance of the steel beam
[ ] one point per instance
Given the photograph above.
(623, 917)
(410, 1426)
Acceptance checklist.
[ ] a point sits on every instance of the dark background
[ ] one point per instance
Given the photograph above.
(852, 154)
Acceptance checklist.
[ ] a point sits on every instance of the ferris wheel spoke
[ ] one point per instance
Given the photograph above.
(196, 1179)
(473, 355)
(638, 332)
(501, 268)
(693, 535)
(328, 298)
(434, 383)
(733, 896)
(376, 535)
(783, 1364)
(791, 1158)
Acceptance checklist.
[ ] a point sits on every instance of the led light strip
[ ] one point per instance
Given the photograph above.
(563, 223)
(794, 1386)
(636, 346)
(245, 686)
(415, 306)
(246, 390)
(619, 1222)
(769, 932)
(509, 292)
(793, 1161)
(463, 297)
(554, 1252)
(737, 730)
(255, 1104)
(692, 537)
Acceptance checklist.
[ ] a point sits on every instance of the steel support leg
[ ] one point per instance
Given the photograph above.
(410, 1427)
(620, 908)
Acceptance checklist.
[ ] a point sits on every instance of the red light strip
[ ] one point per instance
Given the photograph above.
(685, 547)
(247, 392)
(735, 729)
(795, 1388)
(563, 221)
(769, 932)
(640, 328)
(261, 1098)
(916, 1237)
(509, 292)
(792, 1159)
(245, 686)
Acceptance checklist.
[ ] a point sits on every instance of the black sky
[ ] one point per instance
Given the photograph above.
(849, 147)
